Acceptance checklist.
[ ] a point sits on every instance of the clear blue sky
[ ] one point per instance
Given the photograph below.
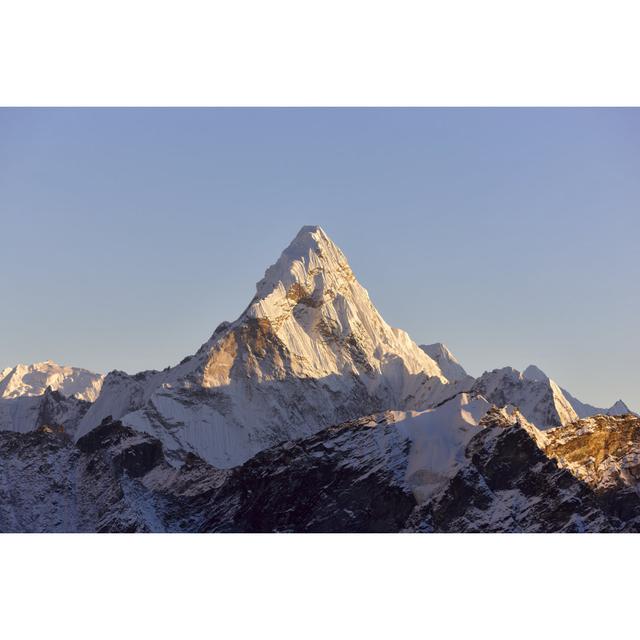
(126, 236)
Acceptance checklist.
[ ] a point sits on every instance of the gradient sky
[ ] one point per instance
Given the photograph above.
(128, 235)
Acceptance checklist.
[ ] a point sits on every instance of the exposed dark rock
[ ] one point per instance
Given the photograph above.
(349, 478)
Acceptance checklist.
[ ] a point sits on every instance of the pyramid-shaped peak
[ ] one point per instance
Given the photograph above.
(619, 408)
(311, 229)
(439, 350)
(532, 372)
(447, 362)
(311, 300)
(310, 238)
(312, 261)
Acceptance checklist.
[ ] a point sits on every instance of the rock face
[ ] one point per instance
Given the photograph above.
(509, 485)
(362, 476)
(310, 351)
(348, 479)
(603, 451)
(579, 477)
(112, 480)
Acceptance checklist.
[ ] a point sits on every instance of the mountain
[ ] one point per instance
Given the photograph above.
(45, 393)
(540, 401)
(309, 413)
(51, 409)
(447, 362)
(34, 379)
(310, 351)
(582, 409)
(532, 372)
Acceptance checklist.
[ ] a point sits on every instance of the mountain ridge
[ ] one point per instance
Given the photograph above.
(359, 476)
(582, 409)
(33, 380)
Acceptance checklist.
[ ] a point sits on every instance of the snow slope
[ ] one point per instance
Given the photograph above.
(438, 440)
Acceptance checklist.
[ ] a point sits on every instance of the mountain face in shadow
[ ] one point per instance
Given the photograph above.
(506, 476)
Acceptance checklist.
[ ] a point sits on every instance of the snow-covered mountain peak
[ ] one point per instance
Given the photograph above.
(311, 268)
(582, 409)
(33, 380)
(311, 318)
(534, 373)
(449, 365)
(541, 401)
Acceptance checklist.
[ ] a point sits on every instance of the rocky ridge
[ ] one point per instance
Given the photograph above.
(505, 476)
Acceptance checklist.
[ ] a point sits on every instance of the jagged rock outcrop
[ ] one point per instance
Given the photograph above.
(462, 467)
(509, 485)
(112, 480)
(604, 451)
(348, 478)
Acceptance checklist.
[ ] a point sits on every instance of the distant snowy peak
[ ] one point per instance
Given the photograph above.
(534, 373)
(618, 408)
(50, 409)
(582, 409)
(541, 401)
(33, 380)
(450, 367)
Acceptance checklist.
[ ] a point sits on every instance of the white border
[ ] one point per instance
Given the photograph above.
(318, 586)
(335, 52)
